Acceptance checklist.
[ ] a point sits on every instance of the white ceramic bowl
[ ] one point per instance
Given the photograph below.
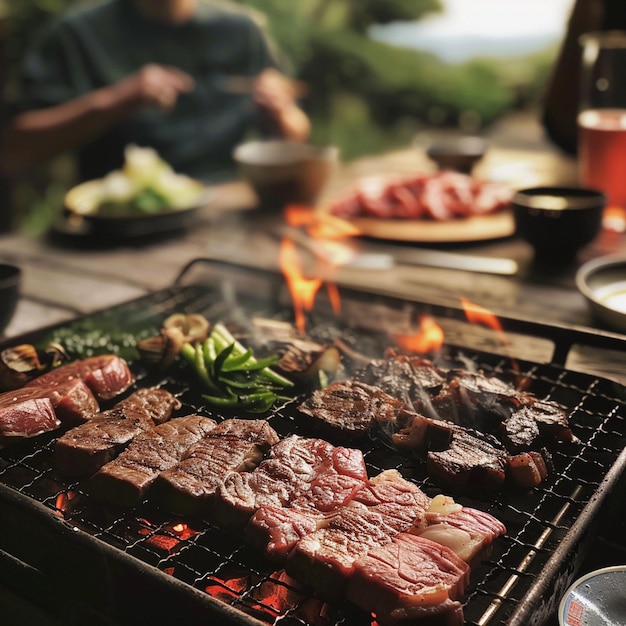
(602, 282)
(596, 599)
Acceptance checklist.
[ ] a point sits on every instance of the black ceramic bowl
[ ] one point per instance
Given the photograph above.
(558, 221)
(457, 153)
(10, 279)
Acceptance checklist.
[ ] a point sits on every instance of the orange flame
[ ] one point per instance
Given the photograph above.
(302, 289)
(319, 225)
(477, 314)
(62, 501)
(428, 338)
(324, 235)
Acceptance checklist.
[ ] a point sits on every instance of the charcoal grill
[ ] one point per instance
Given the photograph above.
(87, 563)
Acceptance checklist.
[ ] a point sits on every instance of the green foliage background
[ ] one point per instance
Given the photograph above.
(365, 96)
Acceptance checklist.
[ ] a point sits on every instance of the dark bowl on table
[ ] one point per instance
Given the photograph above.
(558, 221)
(10, 279)
(285, 172)
(457, 153)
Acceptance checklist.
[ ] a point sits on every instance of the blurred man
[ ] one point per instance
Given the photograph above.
(189, 78)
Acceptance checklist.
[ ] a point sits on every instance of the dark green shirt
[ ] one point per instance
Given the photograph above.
(99, 46)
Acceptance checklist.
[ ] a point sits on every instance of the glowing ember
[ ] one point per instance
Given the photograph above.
(428, 338)
(62, 501)
(163, 542)
(227, 589)
(275, 593)
(184, 531)
(221, 593)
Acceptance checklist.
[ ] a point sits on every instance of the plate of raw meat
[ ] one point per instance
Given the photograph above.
(444, 206)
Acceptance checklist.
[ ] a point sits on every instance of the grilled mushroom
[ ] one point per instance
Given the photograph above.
(177, 329)
(18, 365)
(194, 327)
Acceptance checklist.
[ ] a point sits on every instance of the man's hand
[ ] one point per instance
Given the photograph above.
(155, 85)
(275, 96)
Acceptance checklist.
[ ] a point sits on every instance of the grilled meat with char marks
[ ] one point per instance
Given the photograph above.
(26, 417)
(413, 381)
(538, 424)
(235, 445)
(86, 448)
(324, 559)
(125, 480)
(348, 408)
(294, 467)
(106, 375)
(469, 427)
(473, 463)
(410, 580)
(476, 401)
(275, 530)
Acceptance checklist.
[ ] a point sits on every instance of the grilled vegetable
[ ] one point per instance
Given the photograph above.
(232, 376)
(177, 329)
(21, 363)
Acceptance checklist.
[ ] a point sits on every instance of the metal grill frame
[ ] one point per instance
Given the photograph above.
(110, 583)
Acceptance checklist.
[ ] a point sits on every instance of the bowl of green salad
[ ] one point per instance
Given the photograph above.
(146, 196)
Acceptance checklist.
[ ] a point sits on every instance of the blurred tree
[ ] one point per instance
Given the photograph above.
(389, 90)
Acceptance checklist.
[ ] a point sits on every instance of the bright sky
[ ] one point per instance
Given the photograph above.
(501, 17)
(469, 28)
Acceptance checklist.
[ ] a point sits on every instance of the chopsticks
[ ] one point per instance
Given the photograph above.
(242, 84)
(383, 258)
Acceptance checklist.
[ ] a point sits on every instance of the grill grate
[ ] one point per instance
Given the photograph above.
(547, 527)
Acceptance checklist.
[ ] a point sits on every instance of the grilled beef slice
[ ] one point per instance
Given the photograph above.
(124, 480)
(30, 411)
(410, 580)
(274, 484)
(324, 559)
(410, 380)
(384, 506)
(473, 463)
(26, 417)
(152, 405)
(347, 408)
(235, 445)
(84, 449)
(277, 527)
(292, 467)
(275, 530)
(533, 426)
(401, 504)
(476, 401)
(106, 375)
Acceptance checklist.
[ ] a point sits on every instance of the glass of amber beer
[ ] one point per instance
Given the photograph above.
(602, 121)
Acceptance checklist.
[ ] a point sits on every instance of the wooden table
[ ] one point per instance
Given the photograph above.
(65, 278)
